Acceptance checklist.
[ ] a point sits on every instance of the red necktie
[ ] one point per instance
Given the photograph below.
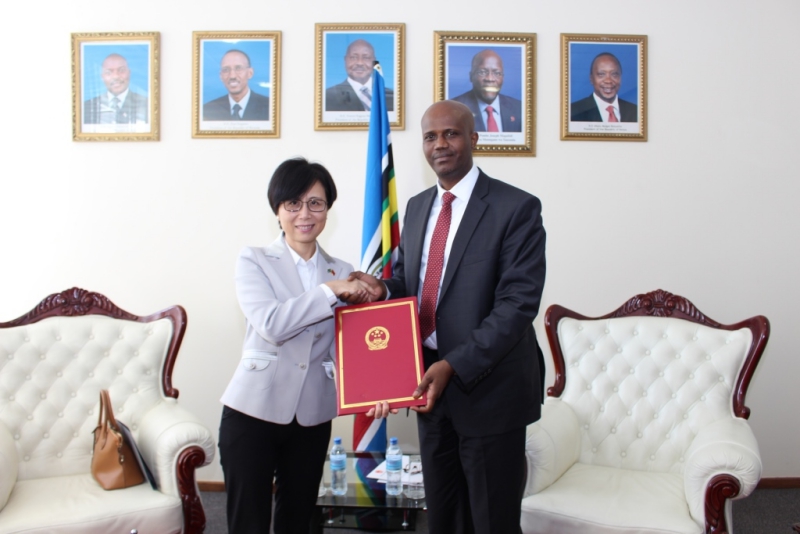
(433, 271)
(611, 116)
(491, 125)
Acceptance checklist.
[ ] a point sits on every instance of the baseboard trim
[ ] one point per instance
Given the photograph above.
(765, 483)
(779, 483)
(210, 485)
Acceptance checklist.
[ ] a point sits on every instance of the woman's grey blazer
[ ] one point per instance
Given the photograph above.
(288, 356)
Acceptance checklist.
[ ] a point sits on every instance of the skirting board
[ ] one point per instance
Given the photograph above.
(765, 483)
(210, 485)
(775, 483)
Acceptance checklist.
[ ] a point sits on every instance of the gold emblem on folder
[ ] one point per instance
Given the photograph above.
(377, 338)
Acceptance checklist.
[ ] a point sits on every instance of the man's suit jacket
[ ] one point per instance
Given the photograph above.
(98, 110)
(342, 97)
(220, 110)
(288, 354)
(510, 112)
(585, 110)
(491, 290)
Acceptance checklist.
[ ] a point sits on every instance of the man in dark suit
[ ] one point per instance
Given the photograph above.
(473, 251)
(119, 105)
(240, 103)
(603, 105)
(492, 111)
(355, 93)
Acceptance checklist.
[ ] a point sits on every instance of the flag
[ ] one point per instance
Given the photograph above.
(380, 234)
(379, 238)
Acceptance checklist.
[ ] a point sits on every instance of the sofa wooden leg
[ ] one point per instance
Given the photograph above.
(719, 489)
(194, 518)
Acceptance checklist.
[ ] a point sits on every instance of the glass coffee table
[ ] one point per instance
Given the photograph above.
(366, 504)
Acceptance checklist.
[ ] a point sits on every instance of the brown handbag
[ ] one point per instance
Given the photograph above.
(113, 463)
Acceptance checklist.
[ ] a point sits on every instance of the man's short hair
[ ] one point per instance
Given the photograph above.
(601, 54)
(294, 177)
(477, 58)
(359, 42)
(238, 52)
(114, 54)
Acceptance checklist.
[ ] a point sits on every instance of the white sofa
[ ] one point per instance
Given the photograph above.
(645, 429)
(53, 363)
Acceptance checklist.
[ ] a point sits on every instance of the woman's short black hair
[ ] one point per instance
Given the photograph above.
(294, 177)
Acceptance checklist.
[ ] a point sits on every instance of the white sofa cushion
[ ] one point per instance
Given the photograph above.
(76, 504)
(643, 387)
(606, 500)
(552, 445)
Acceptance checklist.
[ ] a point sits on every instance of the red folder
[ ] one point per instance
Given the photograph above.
(379, 355)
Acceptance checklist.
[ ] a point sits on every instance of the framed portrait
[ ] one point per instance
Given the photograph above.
(115, 86)
(494, 75)
(343, 75)
(236, 83)
(604, 91)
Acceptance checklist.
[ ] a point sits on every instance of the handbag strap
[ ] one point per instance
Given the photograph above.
(106, 412)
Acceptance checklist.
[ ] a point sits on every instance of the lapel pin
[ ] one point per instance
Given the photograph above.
(513, 118)
(332, 272)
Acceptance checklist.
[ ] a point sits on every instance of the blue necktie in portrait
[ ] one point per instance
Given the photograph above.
(236, 109)
(367, 98)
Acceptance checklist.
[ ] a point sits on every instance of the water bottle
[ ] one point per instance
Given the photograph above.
(394, 468)
(338, 468)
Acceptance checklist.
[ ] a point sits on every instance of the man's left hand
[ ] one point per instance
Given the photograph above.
(434, 381)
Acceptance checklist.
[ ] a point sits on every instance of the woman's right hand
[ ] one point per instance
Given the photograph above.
(351, 291)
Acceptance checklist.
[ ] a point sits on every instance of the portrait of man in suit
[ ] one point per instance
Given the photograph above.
(241, 102)
(604, 104)
(119, 104)
(355, 93)
(492, 111)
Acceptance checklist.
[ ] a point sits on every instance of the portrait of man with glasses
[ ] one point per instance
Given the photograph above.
(241, 103)
(493, 111)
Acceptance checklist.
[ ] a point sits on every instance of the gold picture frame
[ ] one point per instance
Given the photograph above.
(224, 64)
(514, 130)
(599, 72)
(115, 80)
(337, 106)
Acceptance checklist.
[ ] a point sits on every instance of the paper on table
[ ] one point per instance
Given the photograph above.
(379, 473)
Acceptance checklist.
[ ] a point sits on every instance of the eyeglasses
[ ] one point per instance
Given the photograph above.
(483, 73)
(314, 204)
(238, 69)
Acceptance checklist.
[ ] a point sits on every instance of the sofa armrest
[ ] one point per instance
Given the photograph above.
(726, 447)
(9, 464)
(552, 445)
(163, 433)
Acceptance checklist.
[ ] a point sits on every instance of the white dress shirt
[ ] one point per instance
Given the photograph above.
(462, 191)
(308, 273)
(495, 111)
(121, 97)
(602, 105)
(243, 104)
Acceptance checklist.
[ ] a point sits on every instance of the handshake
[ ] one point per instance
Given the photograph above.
(358, 288)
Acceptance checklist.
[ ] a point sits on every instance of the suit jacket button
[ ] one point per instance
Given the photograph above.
(302, 366)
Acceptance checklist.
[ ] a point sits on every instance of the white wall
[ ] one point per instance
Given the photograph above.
(705, 208)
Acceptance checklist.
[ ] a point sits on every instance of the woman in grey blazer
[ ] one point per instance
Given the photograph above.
(279, 404)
